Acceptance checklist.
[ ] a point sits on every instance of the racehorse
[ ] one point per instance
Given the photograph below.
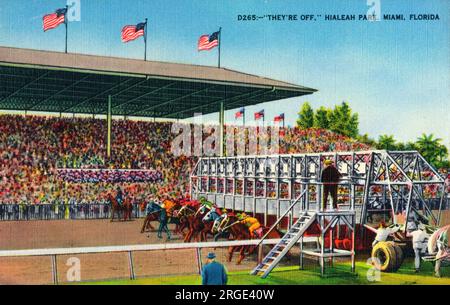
(438, 245)
(241, 232)
(125, 209)
(153, 211)
(153, 214)
(185, 214)
(197, 227)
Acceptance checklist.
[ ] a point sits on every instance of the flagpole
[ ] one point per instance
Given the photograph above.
(220, 43)
(145, 40)
(66, 23)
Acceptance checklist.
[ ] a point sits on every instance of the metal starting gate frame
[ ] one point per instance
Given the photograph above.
(374, 185)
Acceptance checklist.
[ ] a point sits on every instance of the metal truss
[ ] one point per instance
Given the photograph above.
(375, 184)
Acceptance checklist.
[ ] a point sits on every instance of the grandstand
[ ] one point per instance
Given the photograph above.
(34, 80)
(35, 150)
(34, 147)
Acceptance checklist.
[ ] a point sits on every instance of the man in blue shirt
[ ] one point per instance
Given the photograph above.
(214, 273)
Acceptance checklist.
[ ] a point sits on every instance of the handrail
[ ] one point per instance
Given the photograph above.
(281, 217)
(137, 247)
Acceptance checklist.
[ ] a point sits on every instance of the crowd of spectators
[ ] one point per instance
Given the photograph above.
(32, 148)
(317, 140)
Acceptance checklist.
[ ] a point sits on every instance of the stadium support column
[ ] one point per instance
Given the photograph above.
(222, 129)
(109, 127)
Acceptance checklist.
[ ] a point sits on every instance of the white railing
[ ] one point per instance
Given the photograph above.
(53, 252)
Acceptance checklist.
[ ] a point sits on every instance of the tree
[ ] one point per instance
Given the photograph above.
(322, 118)
(386, 142)
(305, 117)
(343, 121)
(400, 146)
(366, 139)
(410, 146)
(432, 150)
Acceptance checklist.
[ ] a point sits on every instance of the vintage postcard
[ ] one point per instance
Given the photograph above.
(194, 143)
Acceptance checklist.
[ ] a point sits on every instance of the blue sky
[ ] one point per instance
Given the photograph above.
(395, 74)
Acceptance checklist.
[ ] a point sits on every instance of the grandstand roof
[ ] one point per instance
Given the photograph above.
(36, 80)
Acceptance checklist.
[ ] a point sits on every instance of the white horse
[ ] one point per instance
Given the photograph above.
(438, 246)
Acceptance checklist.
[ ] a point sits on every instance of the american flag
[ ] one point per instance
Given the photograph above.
(239, 114)
(131, 32)
(279, 118)
(51, 21)
(259, 114)
(207, 42)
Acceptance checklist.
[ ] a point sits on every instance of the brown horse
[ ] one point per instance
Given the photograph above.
(125, 209)
(184, 214)
(241, 232)
(193, 217)
(154, 216)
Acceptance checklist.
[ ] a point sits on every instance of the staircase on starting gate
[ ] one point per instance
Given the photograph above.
(286, 243)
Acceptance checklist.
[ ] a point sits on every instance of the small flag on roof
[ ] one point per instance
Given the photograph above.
(132, 32)
(259, 114)
(239, 114)
(279, 118)
(207, 42)
(51, 21)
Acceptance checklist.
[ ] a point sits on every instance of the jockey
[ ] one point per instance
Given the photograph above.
(152, 207)
(205, 205)
(212, 215)
(219, 224)
(252, 223)
(221, 219)
(169, 205)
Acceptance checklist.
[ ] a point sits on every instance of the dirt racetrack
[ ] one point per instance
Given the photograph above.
(15, 235)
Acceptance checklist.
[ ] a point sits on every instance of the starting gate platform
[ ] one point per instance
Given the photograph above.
(374, 186)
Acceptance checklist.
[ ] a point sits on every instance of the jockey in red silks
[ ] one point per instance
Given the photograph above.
(194, 204)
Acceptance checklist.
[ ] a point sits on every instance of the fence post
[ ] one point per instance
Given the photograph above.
(260, 253)
(199, 260)
(54, 270)
(130, 262)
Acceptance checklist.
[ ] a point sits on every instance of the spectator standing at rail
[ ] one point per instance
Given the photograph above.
(330, 179)
(214, 273)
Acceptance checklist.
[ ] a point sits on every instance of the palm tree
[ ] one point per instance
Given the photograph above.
(386, 142)
(429, 147)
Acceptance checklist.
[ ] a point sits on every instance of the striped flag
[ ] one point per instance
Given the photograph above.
(239, 114)
(279, 118)
(51, 21)
(131, 32)
(207, 42)
(259, 114)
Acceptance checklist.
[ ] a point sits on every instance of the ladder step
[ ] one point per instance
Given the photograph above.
(287, 241)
